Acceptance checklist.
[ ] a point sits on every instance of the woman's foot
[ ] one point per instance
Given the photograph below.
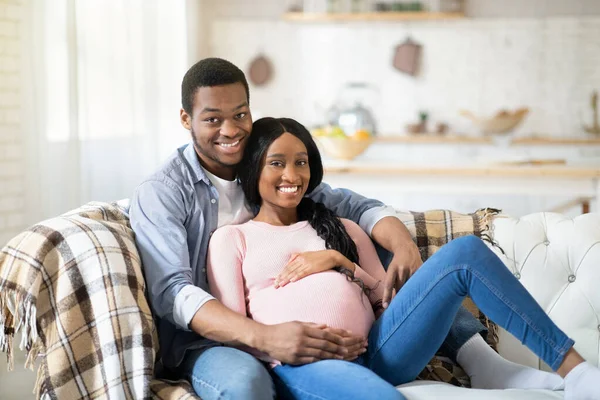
(583, 383)
(489, 370)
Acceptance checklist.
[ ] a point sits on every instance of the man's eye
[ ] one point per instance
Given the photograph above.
(212, 120)
(302, 163)
(241, 115)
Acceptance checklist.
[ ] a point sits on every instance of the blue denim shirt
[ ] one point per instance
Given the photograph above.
(173, 214)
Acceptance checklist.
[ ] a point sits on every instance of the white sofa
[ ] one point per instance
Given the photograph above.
(558, 260)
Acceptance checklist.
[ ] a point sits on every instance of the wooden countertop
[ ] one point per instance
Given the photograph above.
(545, 171)
(463, 139)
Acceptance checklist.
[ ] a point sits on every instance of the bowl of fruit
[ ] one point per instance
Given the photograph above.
(341, 145)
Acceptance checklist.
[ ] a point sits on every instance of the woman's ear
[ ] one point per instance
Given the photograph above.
(185, 119)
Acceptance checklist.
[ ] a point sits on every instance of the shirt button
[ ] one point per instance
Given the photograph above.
(204, 270)
(213, 201)
(571, 278)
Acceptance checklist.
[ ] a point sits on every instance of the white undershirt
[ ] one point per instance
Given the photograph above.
(233, 207)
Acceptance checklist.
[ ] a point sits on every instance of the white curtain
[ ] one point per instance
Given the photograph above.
(105, 96)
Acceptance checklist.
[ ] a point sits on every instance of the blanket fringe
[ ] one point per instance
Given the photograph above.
(485, 218)
(18, 313)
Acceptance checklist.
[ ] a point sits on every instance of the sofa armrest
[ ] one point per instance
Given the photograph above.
(557, 258)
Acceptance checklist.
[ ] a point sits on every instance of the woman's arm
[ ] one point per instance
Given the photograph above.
(224, 268)
(371, 272)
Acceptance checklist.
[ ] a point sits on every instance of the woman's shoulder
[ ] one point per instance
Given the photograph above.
(231, 233)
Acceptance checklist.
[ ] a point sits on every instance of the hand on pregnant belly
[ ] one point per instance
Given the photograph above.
(303, 264)
(302, 343)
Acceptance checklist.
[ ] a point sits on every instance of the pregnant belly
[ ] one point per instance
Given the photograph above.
(324, 298)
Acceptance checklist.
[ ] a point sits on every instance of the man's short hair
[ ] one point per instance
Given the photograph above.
(209, 72)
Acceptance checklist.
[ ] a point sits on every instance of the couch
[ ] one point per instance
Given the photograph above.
(73, 286)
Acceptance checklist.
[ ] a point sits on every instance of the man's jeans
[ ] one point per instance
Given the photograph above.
(413, 328)
(226, 373)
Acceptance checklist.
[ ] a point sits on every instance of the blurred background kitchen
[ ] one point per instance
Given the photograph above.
(424, 104)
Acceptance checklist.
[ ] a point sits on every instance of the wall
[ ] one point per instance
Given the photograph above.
(480, 64)
(12, 145)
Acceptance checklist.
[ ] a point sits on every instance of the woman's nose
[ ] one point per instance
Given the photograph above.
(290, 174)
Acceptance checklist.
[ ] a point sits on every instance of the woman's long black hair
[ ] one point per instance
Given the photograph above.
(323, 220)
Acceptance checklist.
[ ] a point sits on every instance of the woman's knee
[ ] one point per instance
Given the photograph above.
(471, 244)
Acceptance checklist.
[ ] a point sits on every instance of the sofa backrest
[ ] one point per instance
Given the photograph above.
(557, 259)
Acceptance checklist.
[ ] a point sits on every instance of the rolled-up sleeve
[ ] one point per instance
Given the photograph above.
(157, 217)
(353, 206)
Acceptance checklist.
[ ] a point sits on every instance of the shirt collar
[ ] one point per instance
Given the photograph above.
(189, 153)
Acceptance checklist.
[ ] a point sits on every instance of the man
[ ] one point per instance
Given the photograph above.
(174, 213)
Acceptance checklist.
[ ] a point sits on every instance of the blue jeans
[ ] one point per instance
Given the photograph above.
(409, 332)
(227, 373)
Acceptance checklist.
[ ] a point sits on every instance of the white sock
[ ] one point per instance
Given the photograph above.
(489, 370)
(582, 383)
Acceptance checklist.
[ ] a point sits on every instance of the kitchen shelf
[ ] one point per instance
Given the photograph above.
(357, 168)
(458, 139)
(372, 16)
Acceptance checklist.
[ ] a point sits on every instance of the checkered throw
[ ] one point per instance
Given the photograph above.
(73, 286)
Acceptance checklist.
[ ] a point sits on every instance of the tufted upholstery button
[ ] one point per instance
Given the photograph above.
(546, 242)
(571, 278)
(517, 275)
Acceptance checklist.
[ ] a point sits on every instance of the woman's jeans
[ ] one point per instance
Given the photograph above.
(411, 330)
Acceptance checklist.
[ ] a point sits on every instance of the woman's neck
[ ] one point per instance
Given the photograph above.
(279, 216)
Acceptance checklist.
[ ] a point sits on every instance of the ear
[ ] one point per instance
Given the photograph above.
(185, 119)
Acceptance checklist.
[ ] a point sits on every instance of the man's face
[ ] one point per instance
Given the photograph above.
(220, 125)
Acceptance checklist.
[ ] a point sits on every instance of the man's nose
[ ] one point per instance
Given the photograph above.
(229, 128)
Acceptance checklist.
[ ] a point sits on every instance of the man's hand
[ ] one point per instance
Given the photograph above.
(304, 264)
(405, 262)
(299, 343)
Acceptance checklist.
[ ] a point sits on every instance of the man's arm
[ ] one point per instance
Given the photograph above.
(391, 234)
(351, 205)
(381, 223)
(157, 217)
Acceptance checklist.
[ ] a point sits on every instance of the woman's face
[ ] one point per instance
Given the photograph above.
(285, 173)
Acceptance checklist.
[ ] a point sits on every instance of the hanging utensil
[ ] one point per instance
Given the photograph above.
(407, 57)
(260, 71)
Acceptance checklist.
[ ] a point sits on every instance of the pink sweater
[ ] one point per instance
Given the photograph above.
(244, 260)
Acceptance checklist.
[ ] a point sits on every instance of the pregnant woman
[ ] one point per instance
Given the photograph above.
(281, 164)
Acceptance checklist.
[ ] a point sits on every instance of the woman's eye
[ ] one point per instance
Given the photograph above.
(302, 163)
(276, 163)
(241, 115)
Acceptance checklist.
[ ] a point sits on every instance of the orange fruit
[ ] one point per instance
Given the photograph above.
(361, 134)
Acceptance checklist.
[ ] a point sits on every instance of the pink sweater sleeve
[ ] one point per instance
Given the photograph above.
(370, 271)
(226, 252)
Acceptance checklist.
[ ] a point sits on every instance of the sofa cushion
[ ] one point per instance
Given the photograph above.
(421, 390)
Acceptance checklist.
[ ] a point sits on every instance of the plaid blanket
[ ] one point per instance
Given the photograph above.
(73, 286)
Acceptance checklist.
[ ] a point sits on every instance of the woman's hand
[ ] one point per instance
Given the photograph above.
(308, 263)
